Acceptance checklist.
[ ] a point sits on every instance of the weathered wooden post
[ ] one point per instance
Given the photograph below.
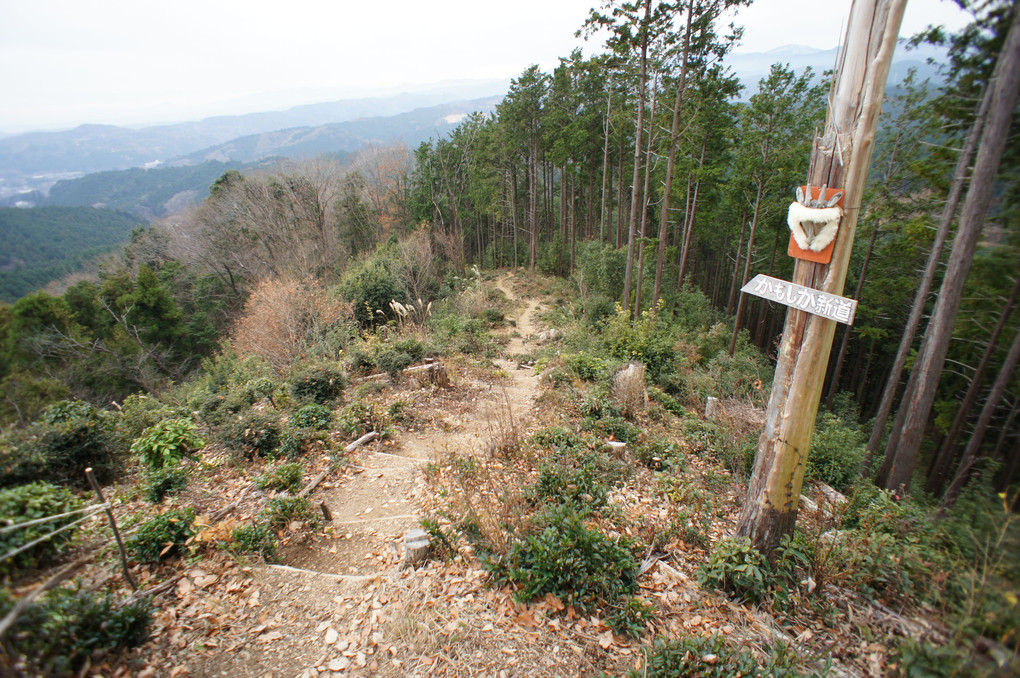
(839, 159)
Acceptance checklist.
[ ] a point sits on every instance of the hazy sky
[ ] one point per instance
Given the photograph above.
(64, 62)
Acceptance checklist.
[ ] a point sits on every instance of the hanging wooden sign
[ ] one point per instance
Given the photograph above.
(808, 299)
(814, 223)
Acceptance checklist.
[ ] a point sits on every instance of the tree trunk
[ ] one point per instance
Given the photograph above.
(936, 475)
(770, 510)
(742, 302)
(635, 201)
(970, 454)
(674, 134)
(736, 265)
(838, 368)
(645, 197)
(605, 162)
(960, 173)
(905, 443)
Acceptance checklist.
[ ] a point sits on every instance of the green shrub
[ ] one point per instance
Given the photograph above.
(631, 618)
(285, 477)
(256, 434)
(297, 442)
(660, 454)
(587, 367)
(597, 403)
(163, 535)
(360, 417)
(684, 658)
(282, 511)
(320, 383)
(167, 443)
(160, 482)
(313, 416)
(737, 568)
(577, 486)
(256, 539)
(56, 635)
(837, 452)
(617, 427)
(558, 438)
(577, 564)
(59, 448)
(412, 347)
(137, 413)
(29, 502)
(650, 339)
(392, 362)
(370, 286)
(923, 659)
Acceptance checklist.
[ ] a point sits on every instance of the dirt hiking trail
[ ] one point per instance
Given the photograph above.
(343, 603)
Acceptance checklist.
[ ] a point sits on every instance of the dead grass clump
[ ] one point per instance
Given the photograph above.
(285, 320)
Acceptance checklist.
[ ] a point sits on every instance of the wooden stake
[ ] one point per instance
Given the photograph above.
(840, 158)
(113, 523)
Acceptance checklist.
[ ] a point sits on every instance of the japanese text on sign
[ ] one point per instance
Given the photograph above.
(803, 298)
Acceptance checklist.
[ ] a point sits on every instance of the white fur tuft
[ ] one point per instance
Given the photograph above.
(828, 217)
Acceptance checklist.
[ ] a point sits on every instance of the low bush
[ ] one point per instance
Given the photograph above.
(163, 536)
(313, 416)
(578, 486)
(29, 502)
(630, 618)
(160, 482)
(167, 443)
(320, 383)
(737, 568)
(360, 417)
(285, 477)
(282, 511)
(57, 635)
(577, 564)
(587, 367)
(256, 434)
(392, 362)
(70, 437)
(297, 442)
(257, 539)
(686, 658)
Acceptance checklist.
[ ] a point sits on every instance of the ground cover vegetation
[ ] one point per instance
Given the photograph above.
(237, 347)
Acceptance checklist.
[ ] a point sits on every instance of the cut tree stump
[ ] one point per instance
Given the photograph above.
(416, 546)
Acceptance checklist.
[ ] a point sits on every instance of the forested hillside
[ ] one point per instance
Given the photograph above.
(45, 243)
(528, 338)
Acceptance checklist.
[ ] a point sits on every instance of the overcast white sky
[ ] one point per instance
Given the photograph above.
(65, 62)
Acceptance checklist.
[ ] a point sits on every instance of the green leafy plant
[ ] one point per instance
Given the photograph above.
(587, 367)
(320, 383)
(282, 511)
(360, 417)
(685, 658)
(576, 563)
(56, 635)
(313, 416)
(737, 568)
(163, 535)
(837, 452)
(631, 618)
(297, 442)
(256, 434)
(256, 539)
(286, 477)
(167, 443)
(163, 481)
(392, 362)
(29, 502)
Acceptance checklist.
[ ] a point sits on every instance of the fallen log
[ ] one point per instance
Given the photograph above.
(312, 485)
(367, 438)
(433, 373)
